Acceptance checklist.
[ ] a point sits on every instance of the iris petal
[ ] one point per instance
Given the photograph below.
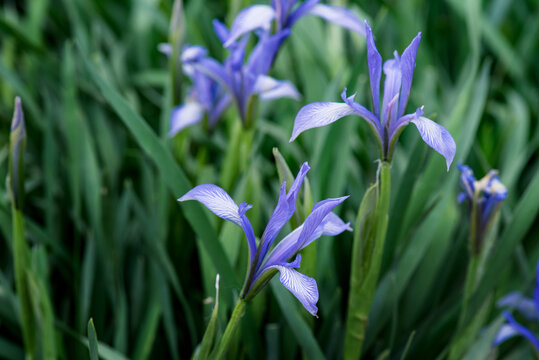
(505, 332)
(284, 210)
(303, 287)
(520, 303)
(251, 18)
(270, 88)
(522, 330)
(319, 114)
(221, 204)
(407, 68)
(340, 16)
(374, 60)
(185, 115)
(437, 137)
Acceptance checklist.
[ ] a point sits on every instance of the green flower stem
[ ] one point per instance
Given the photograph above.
(237, 155)
(231, 330)
(368, 246)
(21, 259)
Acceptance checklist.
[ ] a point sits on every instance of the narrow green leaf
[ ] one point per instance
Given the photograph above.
(297, 323)
(92, 341)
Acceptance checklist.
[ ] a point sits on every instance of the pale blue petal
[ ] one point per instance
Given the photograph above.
(251, 18)
(221, 204)
(340, 16)
(319, 114)
(164, 48)
(304, 288)
(269, 88)
(185, 115)
(392, 87)
(374, 60)
(332, 225)
(284, 210)
(193, 53)
(317, 215)
(520, 303)
(216, 200)
(505, 332)
(437, 137)
(215, 70)
(407, 68)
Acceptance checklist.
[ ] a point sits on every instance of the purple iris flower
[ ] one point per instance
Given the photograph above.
(488, 194)
(527, 307)
(217, 85)
(285, 15)
(389, 120)
(264, 263)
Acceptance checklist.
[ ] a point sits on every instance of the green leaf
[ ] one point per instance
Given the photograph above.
(171, 172)
(297, 323)
(92, 341)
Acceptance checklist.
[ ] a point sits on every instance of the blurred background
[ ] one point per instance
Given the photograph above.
(109, 241)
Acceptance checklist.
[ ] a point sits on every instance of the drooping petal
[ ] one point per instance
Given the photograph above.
(216, 200)
(437, 137)
(522, 330)
(185, 115)
(374, 60)
(407, 67)
(522, 304)
(286, 205)
(269, 88)
(304, 288)
(332, 225)
(301, 11)
(250, 18)
(319, 114)
(340, 16)
(221, 204)
(505, 332)
(392, 87)
(362, 111)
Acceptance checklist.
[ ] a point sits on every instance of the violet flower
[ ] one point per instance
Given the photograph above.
(263, 263)
(487, 194)
(217, 86)
(285, 16)
(527, 307)
(388, 121)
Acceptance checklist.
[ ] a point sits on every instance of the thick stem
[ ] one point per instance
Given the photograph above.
(369, 239)
(230, 331)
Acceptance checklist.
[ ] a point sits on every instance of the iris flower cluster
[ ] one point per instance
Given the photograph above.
(388, 121)
(528, 307)
(238, 80)
(263, 263)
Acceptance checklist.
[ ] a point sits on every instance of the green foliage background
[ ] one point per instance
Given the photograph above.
(109, 241)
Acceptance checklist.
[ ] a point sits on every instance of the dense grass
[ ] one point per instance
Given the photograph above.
(108, 240)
